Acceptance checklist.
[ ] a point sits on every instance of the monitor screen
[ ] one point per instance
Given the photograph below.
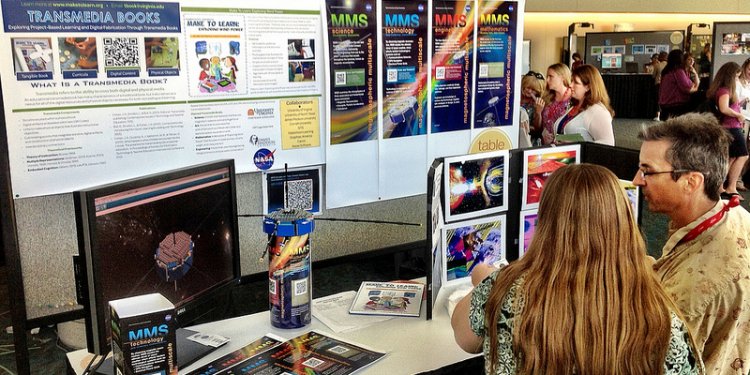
(611, 61)
(174, 233)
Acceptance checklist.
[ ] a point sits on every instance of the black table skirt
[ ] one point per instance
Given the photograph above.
(632, 95)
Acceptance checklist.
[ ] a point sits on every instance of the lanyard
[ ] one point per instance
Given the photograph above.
(566, 118)
(711, 221)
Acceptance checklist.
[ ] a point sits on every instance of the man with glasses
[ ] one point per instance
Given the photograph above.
(705, 264)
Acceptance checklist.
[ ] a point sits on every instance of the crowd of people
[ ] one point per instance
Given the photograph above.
(586, 298)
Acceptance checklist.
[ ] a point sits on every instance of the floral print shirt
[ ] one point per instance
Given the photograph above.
(553, 111)
(709, 280)
(680, 355)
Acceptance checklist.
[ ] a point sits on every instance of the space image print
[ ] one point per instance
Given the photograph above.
(476, 186)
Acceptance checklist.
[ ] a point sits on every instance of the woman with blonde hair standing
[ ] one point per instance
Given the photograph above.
(591, 115)
(557, 100)
(583, 299)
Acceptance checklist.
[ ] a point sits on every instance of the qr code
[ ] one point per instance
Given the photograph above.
(300, 287)
(440, 72)
(338, 349)
(299, 194)
(313, 362)
(271, 286)
(121, 52)
(340, 79)
(392, 75)
(484, 70)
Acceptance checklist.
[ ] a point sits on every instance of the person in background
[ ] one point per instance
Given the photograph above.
(704, 61)
(743, 95)
(676, 87)
(656, 73)
(524, 139)
(577, 60)
(557, 100)
(723, 91)
(591, 114)
(532, 88)
(583, 299)
(704, 265)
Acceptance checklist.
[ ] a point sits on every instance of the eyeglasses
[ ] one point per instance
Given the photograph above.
(532, 73)
(643, 174)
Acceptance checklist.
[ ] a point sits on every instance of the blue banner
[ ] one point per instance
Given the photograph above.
(90, 16)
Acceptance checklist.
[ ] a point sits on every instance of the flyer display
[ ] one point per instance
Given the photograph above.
(404, 68)
(452, 60)
(309, 353)
(388, 298)
(109, 90)
(352, 43)
(496, 41)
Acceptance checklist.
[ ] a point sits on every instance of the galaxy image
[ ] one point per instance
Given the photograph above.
(476, 185)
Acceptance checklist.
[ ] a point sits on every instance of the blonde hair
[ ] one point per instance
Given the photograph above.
(597, 91)
(592, 304)
(534, 83)
(563, 71)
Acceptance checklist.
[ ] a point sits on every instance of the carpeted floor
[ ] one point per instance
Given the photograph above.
(47, 355)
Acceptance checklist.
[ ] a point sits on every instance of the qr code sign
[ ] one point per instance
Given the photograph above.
(313, 362)
(392, 75)
(484, 70)
(338, 349)
(440, 72)
(299, 194)
(121, 52)
(300, 287)
(340, 79)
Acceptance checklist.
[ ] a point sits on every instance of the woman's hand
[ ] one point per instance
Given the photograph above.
(539, 104)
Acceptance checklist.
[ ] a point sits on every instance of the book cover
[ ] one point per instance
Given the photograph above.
(388, 298)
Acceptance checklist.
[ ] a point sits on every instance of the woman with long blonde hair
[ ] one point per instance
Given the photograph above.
(556, 101)
(591, 114)
(583, 299)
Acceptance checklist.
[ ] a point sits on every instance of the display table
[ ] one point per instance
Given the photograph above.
(413, 344)
(632, 95)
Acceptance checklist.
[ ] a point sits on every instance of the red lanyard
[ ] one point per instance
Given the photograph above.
(711, 221)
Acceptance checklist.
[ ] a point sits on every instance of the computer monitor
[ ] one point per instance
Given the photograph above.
(611, 61)
(174, 233)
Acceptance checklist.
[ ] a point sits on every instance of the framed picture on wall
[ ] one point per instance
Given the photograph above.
(596, 50)
(538, 165)
(472, 242)
(650, 49)
(526, 229)
(637, 49)
(475, 185)
(618, 49)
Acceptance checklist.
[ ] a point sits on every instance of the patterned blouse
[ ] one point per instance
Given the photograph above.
(708, 279)
(553, 111)
(680, 357)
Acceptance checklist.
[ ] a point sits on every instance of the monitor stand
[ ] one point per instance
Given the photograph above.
(188, 351)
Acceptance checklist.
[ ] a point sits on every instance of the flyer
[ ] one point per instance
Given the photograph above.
(493, 93)
(352, 42)
(452, 60)
(404, 50)
(388, 298)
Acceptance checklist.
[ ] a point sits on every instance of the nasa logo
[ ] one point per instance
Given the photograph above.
(368, 7)
(263, 159)
(420, 7)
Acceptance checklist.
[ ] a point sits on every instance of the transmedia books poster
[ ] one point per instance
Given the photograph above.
(493, 95)
(452, 50)
(404, 68)
(352, 43)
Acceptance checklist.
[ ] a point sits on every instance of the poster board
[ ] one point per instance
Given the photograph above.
(635, 47)
(731, 42)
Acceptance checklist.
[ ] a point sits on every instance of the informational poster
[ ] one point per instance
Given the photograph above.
(493, 95)
(452, 62)
(101, 91)
(352, 43)
(404, 51)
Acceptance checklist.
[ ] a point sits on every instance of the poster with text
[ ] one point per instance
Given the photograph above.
(352, 46)
(452, 51)
(102, 91)
(493, 96)
(404, 31)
